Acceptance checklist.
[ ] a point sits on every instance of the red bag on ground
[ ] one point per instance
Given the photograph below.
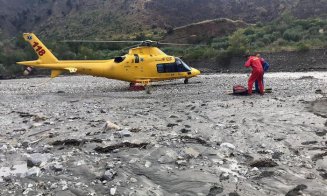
(239, 90)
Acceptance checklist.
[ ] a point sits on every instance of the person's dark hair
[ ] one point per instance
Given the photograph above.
(246, 55)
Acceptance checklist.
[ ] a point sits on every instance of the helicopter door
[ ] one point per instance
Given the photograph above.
(138, 66)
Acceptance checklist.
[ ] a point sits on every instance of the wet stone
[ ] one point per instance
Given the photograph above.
(172, 125)
(47, 148)
(3, 148)
(296, 191)
(113, 191)
(215, 190)
(266, 174)
(277, 155)
(34, 171)
(68, 142)
(166, 159)
(323, 174)
(37, 158)
(118, 146)
(309, 142)
(57, 167)
(263, 163)
(54, 186)
(321, 133)
(184, 130)
(124, 133)
(227, 145)
(191, 139)
(310, 176)
(110, 126)
(108, 175)
(102, 111)
(191, 153)
(181, 162)
(319, 156)
(278, 139)
(233, 194)
(133, 180)
(25, 144)
(147, 164)
(224, 176)
(135, 130)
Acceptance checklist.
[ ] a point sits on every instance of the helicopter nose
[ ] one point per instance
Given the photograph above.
(195, 72)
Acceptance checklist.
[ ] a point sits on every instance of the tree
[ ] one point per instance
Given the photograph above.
(238, 43)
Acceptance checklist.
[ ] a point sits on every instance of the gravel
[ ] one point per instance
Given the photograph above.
(83, 135)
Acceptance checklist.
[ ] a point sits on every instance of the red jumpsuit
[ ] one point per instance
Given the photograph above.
(257, 73)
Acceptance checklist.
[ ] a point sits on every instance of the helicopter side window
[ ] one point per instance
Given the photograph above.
(160, 68)
(167, 68)
(137, 58)
(119, 59)
(172, 67)
(177, 66)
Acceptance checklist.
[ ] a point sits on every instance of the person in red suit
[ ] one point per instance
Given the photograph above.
(255, 63)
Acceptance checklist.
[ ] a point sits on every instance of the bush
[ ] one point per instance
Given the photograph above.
(281, 42)
(238, 43)
(194, 54)
(3, 70)
(292, 35)
(302, 47)
(259, 44)
(220, 43)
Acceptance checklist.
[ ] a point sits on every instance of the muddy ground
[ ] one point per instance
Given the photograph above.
(91, 136)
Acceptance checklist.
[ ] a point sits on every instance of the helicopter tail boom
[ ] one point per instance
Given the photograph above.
(44, 54)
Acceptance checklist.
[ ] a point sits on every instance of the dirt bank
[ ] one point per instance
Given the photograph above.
(312, 60)
(90, 136)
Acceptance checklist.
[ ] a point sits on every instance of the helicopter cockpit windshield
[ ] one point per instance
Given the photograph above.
(181, 65)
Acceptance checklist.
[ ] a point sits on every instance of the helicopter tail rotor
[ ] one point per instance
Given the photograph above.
(27, 71)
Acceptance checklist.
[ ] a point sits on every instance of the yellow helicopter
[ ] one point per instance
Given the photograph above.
(143, 64)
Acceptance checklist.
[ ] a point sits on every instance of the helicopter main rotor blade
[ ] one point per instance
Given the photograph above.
(140, 43)
(129, 47)
(176, 44)
(100, 41)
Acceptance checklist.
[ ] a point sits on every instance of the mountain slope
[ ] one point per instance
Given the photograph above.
(104, 19)
(72, 18)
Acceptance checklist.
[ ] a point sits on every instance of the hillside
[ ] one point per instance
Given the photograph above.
(129, 18)
(72, 18)
(203, 31)
(183, 12)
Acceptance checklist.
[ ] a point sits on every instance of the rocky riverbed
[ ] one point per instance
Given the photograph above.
(91, 136)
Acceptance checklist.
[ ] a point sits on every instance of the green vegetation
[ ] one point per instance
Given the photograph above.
(283, 34)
